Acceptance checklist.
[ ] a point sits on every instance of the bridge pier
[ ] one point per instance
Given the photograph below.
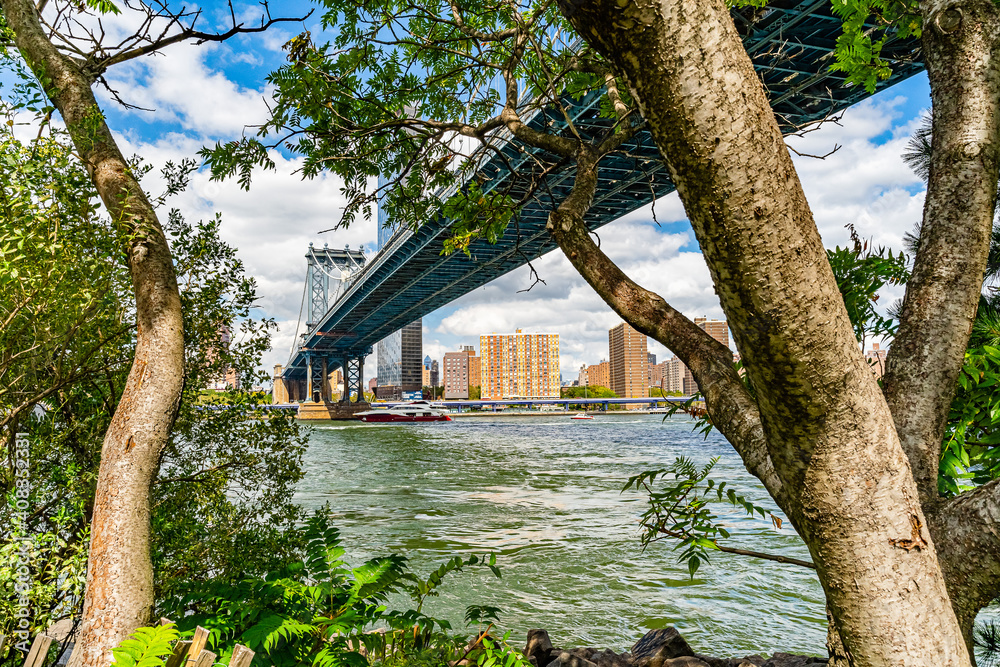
(310, 380)
(279, 390)
(318, 369)
(361, 380)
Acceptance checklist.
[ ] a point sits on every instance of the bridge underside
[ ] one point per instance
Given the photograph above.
(791, 43)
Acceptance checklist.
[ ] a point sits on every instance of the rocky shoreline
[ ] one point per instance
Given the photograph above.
(658, 648)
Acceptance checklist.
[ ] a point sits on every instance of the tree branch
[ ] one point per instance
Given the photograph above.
(966, 534)
(730, 406)
(190, 33)
(745, 552)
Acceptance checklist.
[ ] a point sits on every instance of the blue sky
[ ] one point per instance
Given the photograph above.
(202, 94)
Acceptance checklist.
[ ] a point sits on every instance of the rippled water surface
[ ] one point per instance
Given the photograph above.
(544, 494)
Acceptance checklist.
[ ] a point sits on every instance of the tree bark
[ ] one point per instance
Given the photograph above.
(119, 593)
(969, 550)
(828, 429)
(960, 44)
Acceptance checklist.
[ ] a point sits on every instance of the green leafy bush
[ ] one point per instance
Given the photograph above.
(971, 453)
(322, 612)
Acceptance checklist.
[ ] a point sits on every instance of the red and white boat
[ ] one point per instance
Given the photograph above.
(411, 411)
(582, 416)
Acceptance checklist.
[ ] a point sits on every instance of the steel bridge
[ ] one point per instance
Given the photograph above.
(791, 43)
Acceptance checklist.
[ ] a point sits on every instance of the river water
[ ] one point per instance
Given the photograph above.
(543, 493)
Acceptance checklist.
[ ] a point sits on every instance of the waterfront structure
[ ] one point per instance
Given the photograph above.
(458, 372)
(284, 392)
(629, 362)
(519, 365)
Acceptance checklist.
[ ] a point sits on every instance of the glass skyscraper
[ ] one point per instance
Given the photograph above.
(399, 353)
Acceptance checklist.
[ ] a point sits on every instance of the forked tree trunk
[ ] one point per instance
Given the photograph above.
(119, 593)
(829, 432)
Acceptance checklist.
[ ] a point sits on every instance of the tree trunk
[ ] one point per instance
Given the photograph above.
(960, 43)
(969, 550)
(119, 593)
(828, 429)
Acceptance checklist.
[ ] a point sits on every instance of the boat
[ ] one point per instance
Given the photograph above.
(583, 415)
(410, 411)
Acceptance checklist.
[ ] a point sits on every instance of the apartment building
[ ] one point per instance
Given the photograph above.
(519, 365)
(458, 369)
(629, 362)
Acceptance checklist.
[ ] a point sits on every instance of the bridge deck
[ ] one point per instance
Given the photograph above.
(791, 43)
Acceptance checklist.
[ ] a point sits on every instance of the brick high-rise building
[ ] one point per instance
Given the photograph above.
(599, 375)
(717, 329)
(655, 374)
(458, 367)
(876, 359)
(677, 377)
(629, 362)
(474, 365)
(519, 365)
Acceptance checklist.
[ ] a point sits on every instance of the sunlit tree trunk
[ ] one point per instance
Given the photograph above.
(830, 436)
(119, 593)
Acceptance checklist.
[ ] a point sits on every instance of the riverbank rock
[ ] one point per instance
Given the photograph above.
(608, 658)
(665, 647)
(714, 662)
(567, 659)
(684, 661)
(658, 646)
(789, 660)
(538, 648)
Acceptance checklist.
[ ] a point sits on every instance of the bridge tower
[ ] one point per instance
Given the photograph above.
(327, 271)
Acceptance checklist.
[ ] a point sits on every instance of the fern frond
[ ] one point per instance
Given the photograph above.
(146, 647)
(378, 577)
